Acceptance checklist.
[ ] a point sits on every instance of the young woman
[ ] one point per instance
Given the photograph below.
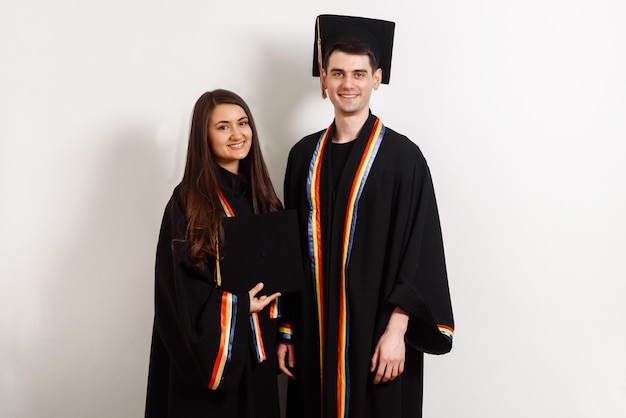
(212, 350)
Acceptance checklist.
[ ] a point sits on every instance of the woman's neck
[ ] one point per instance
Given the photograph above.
(232, 167)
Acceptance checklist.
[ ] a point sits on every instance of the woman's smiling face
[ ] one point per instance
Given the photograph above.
(230, 135)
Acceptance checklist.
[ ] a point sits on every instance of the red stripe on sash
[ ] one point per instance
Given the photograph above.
(227, 209)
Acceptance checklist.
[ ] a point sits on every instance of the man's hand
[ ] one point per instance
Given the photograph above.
(389, 355)
(286, 358)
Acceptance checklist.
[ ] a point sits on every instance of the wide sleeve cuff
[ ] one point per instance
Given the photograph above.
(285, 333)
(425, 333)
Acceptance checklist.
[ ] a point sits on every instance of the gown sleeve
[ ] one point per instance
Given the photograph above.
(203, 328)
(421, 286)
(285, 324)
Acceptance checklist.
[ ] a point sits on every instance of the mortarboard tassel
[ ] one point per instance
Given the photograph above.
(319, 58)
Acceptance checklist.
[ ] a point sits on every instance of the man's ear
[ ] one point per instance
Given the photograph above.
(323, 82)
(378, 76)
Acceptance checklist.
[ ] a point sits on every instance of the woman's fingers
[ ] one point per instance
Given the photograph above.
(258, 303)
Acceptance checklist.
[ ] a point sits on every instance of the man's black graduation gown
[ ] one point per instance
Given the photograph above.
(195, 323)
(396, 260)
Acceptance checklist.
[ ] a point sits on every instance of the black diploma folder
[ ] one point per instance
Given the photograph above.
(262, 248)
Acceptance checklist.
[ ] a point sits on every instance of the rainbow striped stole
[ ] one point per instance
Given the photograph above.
(315, 252)
(228, 211)
(315, 237)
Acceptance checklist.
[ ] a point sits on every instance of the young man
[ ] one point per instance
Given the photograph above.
(377, 297)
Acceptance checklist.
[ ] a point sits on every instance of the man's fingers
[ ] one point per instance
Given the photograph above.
(291, 356)
(374, 362)
(386, 372)
(380, 373)
(286, 350)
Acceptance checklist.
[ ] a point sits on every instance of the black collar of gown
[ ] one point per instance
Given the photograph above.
(237, 184)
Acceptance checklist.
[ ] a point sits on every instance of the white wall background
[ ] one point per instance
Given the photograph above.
(519, 107)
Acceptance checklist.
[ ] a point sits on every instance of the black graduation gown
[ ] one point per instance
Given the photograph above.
(396, 260)
(195, 323)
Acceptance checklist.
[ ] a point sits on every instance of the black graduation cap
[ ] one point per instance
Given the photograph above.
(377, 34)
(262, 248)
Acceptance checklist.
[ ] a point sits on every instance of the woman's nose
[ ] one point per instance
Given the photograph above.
(236, 133)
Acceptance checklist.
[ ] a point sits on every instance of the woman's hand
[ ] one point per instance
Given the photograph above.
(257, 304)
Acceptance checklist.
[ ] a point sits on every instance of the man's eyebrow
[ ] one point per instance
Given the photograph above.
(357, 70)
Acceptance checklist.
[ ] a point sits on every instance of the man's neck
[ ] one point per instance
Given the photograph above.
(347, 127)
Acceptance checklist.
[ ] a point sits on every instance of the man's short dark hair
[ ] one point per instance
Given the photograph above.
(352, 47)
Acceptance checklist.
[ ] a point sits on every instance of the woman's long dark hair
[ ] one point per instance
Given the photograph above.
(199, 185)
